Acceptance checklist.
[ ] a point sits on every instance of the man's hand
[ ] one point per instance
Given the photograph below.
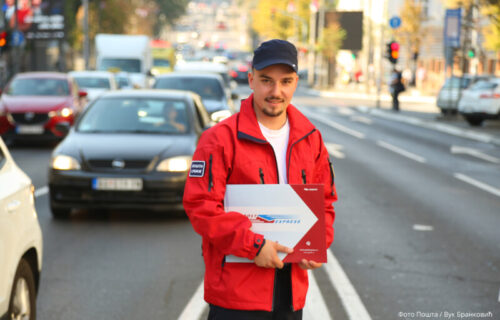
(309, 264)
(268, 255)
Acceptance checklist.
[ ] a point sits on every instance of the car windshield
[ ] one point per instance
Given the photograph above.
(457, 82)
(135, 115)
(158, 62)
(127, 65)
(207, 88)
(483, 85)
(93, 82)
(38, 87)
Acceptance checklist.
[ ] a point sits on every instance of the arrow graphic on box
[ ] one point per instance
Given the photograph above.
(292, 215)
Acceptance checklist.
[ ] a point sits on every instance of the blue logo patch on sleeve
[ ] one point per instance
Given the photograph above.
(197, 169)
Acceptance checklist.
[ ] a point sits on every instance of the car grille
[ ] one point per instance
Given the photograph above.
(30, 118)
(108, 164)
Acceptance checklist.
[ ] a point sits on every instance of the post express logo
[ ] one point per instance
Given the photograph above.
(277, 219)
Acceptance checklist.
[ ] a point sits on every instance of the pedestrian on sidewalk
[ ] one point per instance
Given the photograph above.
(396, 87)
(268, 141)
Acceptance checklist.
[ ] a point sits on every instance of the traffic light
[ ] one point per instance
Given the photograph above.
(393, 51)
(4, 41)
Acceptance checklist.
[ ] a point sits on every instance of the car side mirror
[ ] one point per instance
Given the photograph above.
(63, 127)
(82, 94)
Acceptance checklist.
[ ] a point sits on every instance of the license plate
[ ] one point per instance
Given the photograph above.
(117, 184)
(23, 129)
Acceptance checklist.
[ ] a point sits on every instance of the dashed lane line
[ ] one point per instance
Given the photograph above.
(41, 191)
(400, 151)
(335, 125)
(478, 184)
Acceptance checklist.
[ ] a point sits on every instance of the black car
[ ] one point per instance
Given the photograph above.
(210, 86)
(130, 149)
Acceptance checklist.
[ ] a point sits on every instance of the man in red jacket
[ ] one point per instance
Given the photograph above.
(268, 141)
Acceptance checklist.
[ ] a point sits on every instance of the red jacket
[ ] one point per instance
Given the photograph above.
(235, 152)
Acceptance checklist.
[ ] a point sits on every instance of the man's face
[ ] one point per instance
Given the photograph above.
(273, 89)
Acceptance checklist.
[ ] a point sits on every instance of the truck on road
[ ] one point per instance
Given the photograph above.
(127, 53)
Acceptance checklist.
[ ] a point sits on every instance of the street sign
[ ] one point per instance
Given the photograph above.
(395, 22)
(17, 38)
(452, 26)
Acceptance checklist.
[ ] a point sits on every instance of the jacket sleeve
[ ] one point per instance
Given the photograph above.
(229, 232)
(326, 174)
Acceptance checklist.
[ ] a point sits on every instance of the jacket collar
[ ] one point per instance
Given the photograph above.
(248, 127)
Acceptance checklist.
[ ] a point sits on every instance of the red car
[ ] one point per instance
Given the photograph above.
(33, 103)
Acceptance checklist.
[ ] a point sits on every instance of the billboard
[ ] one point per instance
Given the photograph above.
(37, 19)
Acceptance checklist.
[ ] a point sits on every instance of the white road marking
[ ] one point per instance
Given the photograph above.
(400, 151)
(315, 308)
(41, 191)
(335, 150)
(362, 119)
(478, 184)
(474, 152)
(195, 307)
(345, 111)
(421, 227)
(351, 301)
(335, 125)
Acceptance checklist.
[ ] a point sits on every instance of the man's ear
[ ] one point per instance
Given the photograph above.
(250, 79)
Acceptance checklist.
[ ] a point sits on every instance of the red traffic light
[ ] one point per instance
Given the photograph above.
(394, 46)
(3, 38)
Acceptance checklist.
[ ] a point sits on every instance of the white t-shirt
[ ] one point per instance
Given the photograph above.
(279, 141)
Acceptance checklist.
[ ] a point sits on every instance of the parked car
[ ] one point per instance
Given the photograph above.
(481, 101)
(94, 82)
(33, 103)
(20, 242)
(130, 149)
(209, 86)
(450, 92)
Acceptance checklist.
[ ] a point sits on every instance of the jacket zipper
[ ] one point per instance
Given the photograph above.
(291, 147)
(304, 180)
(261, 174)
(332, 177)
(210, 181)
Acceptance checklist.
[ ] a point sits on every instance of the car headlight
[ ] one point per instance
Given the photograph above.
(64, 112)
(175, 164)
(63, 162)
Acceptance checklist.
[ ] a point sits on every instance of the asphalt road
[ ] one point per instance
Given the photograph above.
(416, 231)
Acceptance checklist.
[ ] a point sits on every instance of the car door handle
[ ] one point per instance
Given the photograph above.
(13, 206)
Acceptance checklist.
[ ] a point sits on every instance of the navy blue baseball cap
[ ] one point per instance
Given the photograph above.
(275, 51)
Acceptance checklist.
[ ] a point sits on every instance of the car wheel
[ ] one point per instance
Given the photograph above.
(474, 121)
(22, 305)
(60, 213)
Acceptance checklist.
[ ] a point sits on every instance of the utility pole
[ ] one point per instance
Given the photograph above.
(311, 54)
(86, 40)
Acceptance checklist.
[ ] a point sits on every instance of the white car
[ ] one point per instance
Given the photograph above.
(20, 242)
(481, 101)
(94, 82)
